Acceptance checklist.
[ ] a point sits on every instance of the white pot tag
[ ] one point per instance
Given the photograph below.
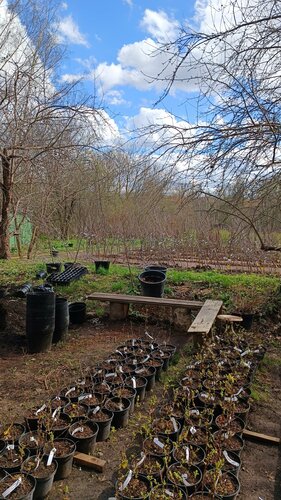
(134, 382)
(174, 424)
(151, 347)
(33, 440)
(169, 494)
(13, 486)
(10, 447)
(158, 443)
(85, 396)
(142, 459)
(244, 353)
(193, 430)
(119, 352)
(227, 457)
(147, 334)
(56, 411)
(51, 456)
(127, 481)
(111, 374)
(194, 412)
(146, 358)
(187, 454)
(40, 409)
(96, 410)
(78, 429)
(70, 391)
(185, 481)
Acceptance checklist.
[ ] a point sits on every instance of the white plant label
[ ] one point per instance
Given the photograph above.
(233, 398)
(244, 353)
(225, 435)
(135, 362)
(33, 440)
(158, 443)
(56, 411)
(169, 494)
(193, 430)
(141, 460)
(227, 457)
(120, 369)
(85, 396)
(78, 429)
(146, 358)
(174, 424)
(9, 490)
(134, 382)
(190, 367)
(96, 410)
(141, 370)
(37, 460)
(111, 374)
(133, 342)
(40, 409)
(10, 447)
(239, 392)
(187, 454)
(51, 456)
(185, 481)
(119, 352)
(147, 334)
(127, 480)
(151, 347)
(237, 349)
(70, 391)
(194, 412)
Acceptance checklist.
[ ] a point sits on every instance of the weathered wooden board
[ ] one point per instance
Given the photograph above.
(264, 438)
(140, 299)
(206, 317)
(88, 461)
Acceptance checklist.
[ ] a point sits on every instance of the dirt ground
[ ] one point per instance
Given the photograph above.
(26, 380)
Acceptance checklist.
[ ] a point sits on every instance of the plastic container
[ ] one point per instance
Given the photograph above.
(102, 264)
(61, 319)
(77, 312)
(40, 320)
(152, 283)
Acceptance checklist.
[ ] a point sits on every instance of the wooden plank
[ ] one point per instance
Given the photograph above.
(206, 317)
(141, 299)
(88, 461)
(264, 438)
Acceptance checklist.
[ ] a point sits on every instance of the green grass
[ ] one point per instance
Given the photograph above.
(223, 280)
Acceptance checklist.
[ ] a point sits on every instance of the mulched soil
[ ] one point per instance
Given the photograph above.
(26, 381)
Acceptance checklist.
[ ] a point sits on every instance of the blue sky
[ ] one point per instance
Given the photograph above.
(110, 45)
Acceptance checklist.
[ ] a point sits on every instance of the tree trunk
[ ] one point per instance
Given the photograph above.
(33, 241)
(6, 201)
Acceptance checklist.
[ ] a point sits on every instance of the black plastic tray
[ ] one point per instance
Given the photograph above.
(70, 274)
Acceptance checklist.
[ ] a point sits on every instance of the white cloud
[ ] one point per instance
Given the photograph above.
(128, 2)
(115, 98)
(68, 32)
(64, 6)
(71, 78)
(159, 26)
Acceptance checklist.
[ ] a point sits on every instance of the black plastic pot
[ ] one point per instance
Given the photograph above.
(141, 389)
(61, 319)
(131, 398)
(124, 496)
(104, 425)
(174, 480)
(84, 444)
(156, 267)
(247, 321)
(64, 461)
(53, 267)
(23, 290)
(40, 320)
(77, 312)
(43, 484)
(152, 283)
(149, 377)
(10, 479)
(20, 454)
(120, 417)
(102, 264)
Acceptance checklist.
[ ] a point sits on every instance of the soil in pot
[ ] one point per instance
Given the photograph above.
(32, 441)
(137, 489)
(157, 363)
(185, 476)
(43, 473)
(166, 492)
(174, 410)
(228, 442)
(147, 372)
(24, 490)
(76, 410)
(158, 446)
(102, 388)
(103, 418)
(72, 393)
(12, 433)
(195, 435)
(190, 454)
(223, 484)
(65, 449)
(92, 399)
(11, 458)
(166, 427)
(58, 423)
(230, 461)
(150, 466)
(84, 434)
(198, 417)
(120, 408)
(230, 424)
(59, 402)
(126, 392)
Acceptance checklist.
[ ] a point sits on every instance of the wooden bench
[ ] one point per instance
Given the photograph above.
(205, 319)
(119, 303)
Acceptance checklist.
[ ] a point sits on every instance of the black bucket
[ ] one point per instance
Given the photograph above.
(53, 267)
(77, 312)
(152, 283)
(102, 264)
(61, 319)
(40, 320)
(156, 267)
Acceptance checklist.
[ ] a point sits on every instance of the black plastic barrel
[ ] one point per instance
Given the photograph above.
(40, 319)
(61, 319)
(152, 283)
(102, 264)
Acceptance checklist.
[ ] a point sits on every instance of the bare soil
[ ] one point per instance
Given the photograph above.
(27, 381)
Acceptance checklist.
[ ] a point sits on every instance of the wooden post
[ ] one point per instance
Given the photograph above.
(118, 310)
